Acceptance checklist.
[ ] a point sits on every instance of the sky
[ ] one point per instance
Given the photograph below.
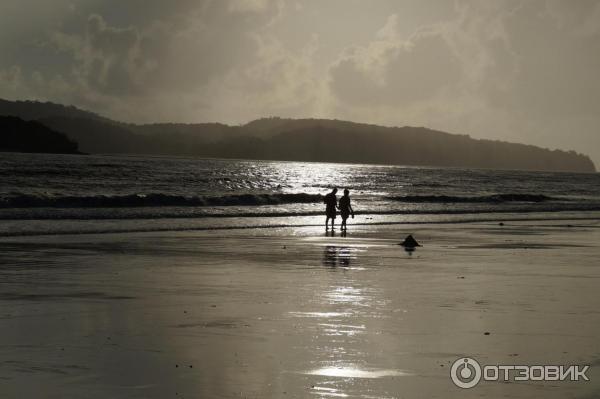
(523, 71)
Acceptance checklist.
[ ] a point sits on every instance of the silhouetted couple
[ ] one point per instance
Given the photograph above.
(344, 206)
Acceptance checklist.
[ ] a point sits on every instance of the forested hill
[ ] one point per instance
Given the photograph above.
(29, 110)
(321, 140)
(17, 135)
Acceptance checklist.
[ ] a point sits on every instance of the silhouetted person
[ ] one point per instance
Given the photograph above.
(345, 208)
(331, 203)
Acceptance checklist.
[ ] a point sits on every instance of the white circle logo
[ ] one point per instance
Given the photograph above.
(465, 372)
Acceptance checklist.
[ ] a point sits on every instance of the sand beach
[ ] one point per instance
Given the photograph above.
(293, 312)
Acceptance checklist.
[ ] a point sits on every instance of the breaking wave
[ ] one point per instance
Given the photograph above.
(490, 199)
(154, 200)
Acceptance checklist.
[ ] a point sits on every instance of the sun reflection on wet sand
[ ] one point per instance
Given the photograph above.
(319, 314)
(346, 295)
(328, 392)
(344, 312)
(342, 329)
(354, 372)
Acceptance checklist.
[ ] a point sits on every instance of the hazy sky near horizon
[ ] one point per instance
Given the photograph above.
(525, 71)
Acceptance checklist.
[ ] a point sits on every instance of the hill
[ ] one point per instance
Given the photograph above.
(296, 140)
(31, 110)
(17, 135)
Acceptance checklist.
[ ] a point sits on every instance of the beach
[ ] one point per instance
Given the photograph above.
(292, 312)
(169, 171)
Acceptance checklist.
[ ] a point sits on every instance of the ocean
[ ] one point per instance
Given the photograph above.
(51, 194)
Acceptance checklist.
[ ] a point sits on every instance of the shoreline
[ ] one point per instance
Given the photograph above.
(34, 227)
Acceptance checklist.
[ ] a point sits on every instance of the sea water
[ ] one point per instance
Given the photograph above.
(49, 193)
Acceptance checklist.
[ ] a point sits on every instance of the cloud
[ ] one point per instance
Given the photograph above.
(249, 5)
(138, 71)
(533, 68)
(10, 79)
(280, 82)
(394, 72)
(508, 69)
(167, 55)
(105, 57)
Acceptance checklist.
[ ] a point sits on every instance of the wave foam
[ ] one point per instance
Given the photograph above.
(496, 198)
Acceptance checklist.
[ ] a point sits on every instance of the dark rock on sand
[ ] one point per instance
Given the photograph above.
(410, 242)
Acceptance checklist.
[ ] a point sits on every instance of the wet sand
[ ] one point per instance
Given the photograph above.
(290, 312)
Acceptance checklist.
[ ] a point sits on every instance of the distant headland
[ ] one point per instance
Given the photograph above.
(17, 135)
(320, 140)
